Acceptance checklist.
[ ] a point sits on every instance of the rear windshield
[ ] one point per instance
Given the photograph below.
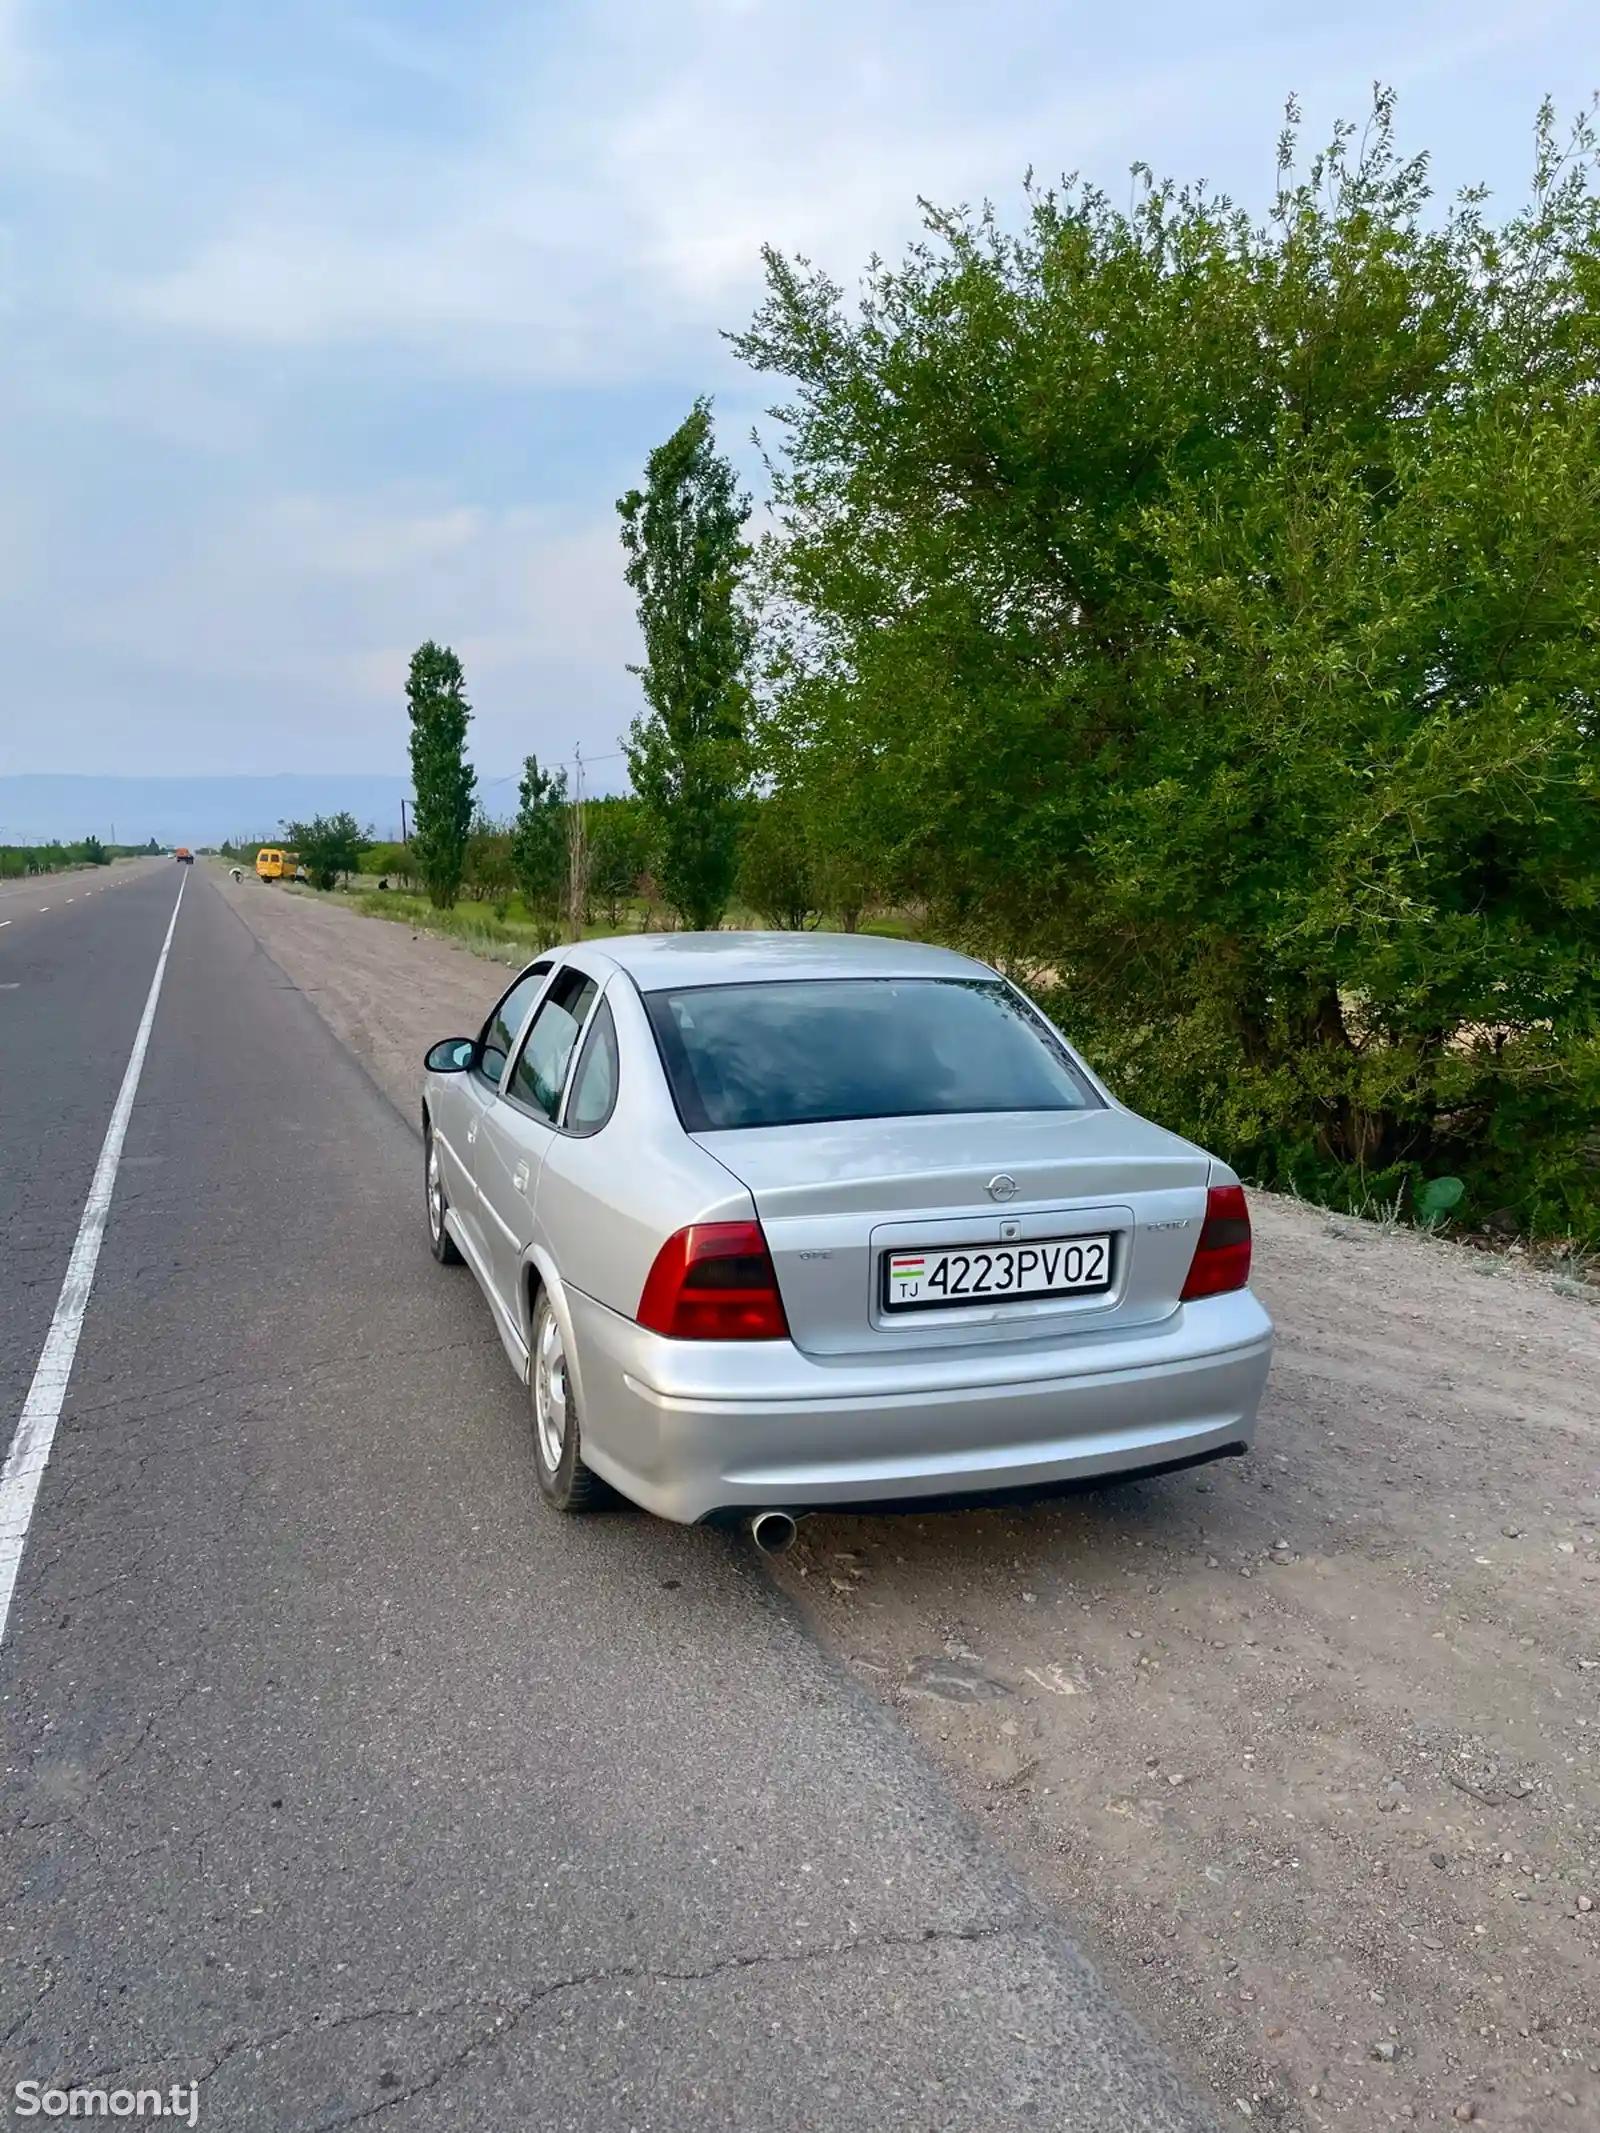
(800, 1051)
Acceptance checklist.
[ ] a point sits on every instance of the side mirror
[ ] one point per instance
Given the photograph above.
(453, 1056)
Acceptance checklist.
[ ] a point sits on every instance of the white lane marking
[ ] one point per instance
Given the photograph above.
(30, 1447)
(5, 921)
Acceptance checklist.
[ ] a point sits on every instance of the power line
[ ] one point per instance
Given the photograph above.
(569, 762)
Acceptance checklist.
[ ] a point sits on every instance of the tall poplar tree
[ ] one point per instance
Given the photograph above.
(684, 538)
(442, 779)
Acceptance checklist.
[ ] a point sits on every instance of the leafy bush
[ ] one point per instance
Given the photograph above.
(390, 862)
(487, 874)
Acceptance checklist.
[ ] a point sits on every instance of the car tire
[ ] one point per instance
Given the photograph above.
(440, 1242)
(564, 1480)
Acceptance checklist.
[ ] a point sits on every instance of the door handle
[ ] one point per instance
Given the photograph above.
(472, 1133)
(520, 1177)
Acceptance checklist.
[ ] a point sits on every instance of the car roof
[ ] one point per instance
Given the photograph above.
(658, 962)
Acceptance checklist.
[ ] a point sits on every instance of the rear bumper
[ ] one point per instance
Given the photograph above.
(690, 1430)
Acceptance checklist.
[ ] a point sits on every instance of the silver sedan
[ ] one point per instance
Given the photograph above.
(769, 1222)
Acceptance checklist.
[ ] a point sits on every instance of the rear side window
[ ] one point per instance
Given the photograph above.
(540, 1073)
(500, 1031)
(594, 1084)
(801, 1051)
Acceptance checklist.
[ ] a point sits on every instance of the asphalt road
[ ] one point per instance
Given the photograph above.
(341, 1776)
(77, 971)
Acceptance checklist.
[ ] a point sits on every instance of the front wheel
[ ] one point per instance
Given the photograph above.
(440, 1242)
(557, 1439)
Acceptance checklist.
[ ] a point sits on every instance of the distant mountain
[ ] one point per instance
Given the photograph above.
(189, 810)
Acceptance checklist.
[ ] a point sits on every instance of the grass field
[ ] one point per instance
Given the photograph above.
(477, 926)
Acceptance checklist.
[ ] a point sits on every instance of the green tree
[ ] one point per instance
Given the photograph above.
(1202, 612)
(683, 535)
(328, 846)
(442, 780)
(487, 874)
(828, 800)
(539, 840)
(95, 853)
(390, 862)
(776, 875)
(618, 853)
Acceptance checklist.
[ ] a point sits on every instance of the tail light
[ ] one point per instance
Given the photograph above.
(1222, 1257)
(714, 1282)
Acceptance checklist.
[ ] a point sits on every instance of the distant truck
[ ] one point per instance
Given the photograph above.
(182, 854)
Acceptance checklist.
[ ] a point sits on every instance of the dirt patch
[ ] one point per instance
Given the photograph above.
(1307, 1741)
(1306, 1744)
(386, 991)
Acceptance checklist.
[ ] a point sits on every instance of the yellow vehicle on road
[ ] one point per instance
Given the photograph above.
(275, 865)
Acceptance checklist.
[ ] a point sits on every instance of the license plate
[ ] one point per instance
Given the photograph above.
(995, 1273)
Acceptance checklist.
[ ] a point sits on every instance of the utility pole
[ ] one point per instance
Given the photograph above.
(405, 835)
(577, 854)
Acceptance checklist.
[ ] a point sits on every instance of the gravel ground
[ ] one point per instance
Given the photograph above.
(1307, 1744)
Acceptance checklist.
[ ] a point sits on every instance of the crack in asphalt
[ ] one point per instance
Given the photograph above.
(509, 2012)
(148, 1726)
(14, 2030)
(170, 1845)
(156, 1719)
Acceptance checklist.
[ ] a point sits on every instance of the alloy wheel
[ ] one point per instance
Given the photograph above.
(550, 1391)
(435, 1191)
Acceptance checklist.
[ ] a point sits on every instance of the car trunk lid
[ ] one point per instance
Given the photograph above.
(834, 1198)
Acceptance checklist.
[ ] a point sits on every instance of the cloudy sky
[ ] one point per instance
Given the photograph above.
(330, 325)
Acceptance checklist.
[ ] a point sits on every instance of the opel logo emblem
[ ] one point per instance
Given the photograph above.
(1002, 1188)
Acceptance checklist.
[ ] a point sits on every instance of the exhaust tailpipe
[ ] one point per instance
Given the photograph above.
(773, 1532)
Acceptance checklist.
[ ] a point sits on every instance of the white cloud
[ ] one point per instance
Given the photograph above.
(622, 172)
(217, 217)
(282, 632)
